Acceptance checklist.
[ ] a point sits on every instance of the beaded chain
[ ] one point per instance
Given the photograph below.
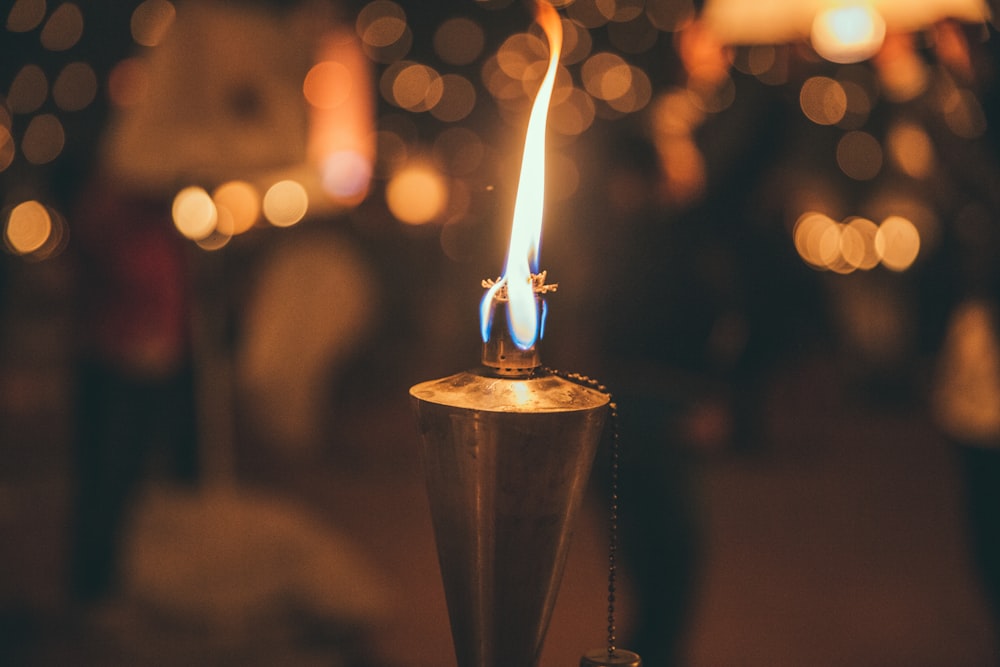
(613, 505)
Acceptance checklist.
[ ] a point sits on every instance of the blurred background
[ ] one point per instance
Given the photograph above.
(236, 232)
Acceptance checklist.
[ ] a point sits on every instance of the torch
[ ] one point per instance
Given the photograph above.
(508, 447)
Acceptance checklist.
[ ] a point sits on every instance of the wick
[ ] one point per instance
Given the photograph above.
(538, 285)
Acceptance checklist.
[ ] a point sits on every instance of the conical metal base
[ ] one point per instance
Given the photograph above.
(507, 462)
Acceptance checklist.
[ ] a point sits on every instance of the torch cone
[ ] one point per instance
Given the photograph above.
(507, 462)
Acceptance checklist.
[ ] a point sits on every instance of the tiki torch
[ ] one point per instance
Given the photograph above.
(508, 447)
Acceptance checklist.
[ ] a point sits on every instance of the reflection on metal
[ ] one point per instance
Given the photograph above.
(507, 460)
(618, 658)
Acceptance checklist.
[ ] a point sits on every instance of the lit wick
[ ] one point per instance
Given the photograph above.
(511, 348)
(500, 351)
(508, 448)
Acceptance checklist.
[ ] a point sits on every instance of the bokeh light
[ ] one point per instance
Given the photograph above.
(411, 86)
(28, 227)
(573, 115)
(63, 29)
(194, 213)
(7, 148)
(44, 139)
(859, 155)
(856, 244)
(75, 87)
(345, 175)
(459, 41)
(384, 33)
(848, 33)
(327, 85)
(591, 13)
(28, 90)
(458, 98)
(606, 76)
(577, 43)
(151, 21)
(417, 194)
(638, 94)
(910, 148)
(25, 15)
(285, 203)
(823, 100)
(898, 243)
(241, 203)
(670, 15)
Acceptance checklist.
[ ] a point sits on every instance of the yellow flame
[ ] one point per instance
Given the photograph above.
(526, 231)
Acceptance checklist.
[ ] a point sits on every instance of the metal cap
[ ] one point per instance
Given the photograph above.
(618, 658)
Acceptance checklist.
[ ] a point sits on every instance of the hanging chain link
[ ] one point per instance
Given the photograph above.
(613, 500)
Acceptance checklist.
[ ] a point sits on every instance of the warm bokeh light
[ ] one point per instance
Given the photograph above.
(519, 52)
(859, 155)
(577, 43)
(385, 35)
(857, 243)
(151, 21)
(638, 95)
(756, 60)
(412, 86)
(345, 175)
(25, 15)
(606, 76)
(341, 136)
(809, 233)
(7, 148)
(459, 41)
(75, 87)
(848, 33)
(859, 104)
(823, 100)
(910, 148)
(285, 203)
(591, 13)
(574, 114)
(458, 99)
(897, 242)
(241, 203)
(63, 29)
(380, 23)
(418, 88)
(670, 15)
(194, 213)
(327, 85)
(417, 194)
(43, 140)
(28, 227)
(28, 90)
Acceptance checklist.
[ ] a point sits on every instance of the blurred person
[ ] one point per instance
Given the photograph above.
(135, 387)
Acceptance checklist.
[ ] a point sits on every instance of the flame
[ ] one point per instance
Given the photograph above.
(523, 313)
